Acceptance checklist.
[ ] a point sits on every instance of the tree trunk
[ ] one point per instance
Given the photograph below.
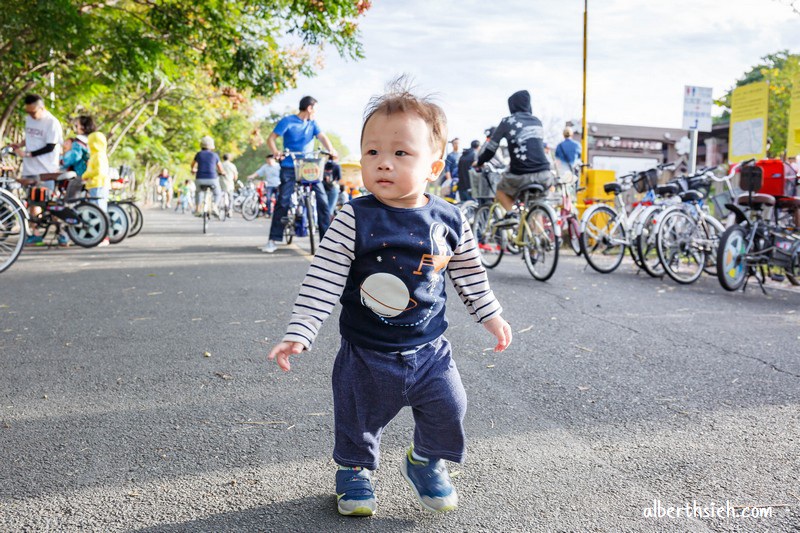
(4, 119)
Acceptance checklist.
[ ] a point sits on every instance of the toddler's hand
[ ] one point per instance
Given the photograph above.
(282, 351)
(498, 327)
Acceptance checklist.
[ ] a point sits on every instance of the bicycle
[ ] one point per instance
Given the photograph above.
(536, 233)
(259, 202)
(686, 235)
(309, 168)
(121, 194)
(13, 226)
(606, 232)
(207, 203)
(754, 246)
(86, 224)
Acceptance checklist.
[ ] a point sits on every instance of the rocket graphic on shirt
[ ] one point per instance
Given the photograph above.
(387, 295)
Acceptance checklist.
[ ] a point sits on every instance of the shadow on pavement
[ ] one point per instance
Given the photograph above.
(302, 514)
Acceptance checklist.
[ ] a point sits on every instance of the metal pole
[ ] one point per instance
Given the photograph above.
(584, 129)
(692, 151)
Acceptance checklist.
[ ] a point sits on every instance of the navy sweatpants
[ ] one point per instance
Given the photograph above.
(370, 388)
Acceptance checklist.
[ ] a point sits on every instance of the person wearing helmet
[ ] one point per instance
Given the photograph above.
(529, 163)
(207, 167)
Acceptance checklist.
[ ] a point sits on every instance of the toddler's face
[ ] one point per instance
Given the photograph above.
(67, 145)
(397, 159)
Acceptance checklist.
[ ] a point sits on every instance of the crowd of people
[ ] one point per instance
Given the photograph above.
(46, 154)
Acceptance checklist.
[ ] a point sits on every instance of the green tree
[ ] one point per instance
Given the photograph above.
(780, 70)
(130, 55)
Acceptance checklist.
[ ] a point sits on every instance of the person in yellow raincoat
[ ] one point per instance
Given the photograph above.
(96, 179)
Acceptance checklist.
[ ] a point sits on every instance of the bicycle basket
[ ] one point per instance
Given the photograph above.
(484, 183)
(751, 178)
(309, 168)
(39, 194)
(644, 181)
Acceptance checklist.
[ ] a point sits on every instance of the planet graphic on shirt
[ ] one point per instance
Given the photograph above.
(386, 295)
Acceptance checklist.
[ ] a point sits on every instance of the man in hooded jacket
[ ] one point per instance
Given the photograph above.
(524, 134)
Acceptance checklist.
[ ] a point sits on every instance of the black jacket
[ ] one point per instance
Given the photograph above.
(524, 134)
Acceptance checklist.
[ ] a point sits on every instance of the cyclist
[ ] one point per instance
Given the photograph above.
(298, 132)
(165, 186)
(269, 172)
(529, 164)
(206, 166)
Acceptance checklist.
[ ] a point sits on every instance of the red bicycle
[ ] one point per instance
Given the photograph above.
(568, 214)
(260, 202)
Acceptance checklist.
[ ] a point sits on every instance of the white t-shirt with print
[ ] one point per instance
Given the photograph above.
(38, 134)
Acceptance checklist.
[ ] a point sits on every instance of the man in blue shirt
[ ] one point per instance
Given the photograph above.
(298, 132)
(568, 153)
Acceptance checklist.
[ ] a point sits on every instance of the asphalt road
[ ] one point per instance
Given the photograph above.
(135, 396)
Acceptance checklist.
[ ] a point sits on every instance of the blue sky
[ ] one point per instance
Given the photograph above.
(474, 54)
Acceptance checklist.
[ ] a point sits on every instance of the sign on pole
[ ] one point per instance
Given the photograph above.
(697, 104)
(793, 132)
(748, 131)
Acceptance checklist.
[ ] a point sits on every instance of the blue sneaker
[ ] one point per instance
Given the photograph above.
(354, 492)
(34, 240)
(430, 482)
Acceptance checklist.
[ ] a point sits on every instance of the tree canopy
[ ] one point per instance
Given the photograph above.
(159, 74)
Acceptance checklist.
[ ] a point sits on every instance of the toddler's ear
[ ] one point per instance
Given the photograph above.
(436, 169)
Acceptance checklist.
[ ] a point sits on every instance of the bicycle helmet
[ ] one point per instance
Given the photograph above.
(207, 143)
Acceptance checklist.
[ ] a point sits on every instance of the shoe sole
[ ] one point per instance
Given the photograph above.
(404, 471)
(358, 511)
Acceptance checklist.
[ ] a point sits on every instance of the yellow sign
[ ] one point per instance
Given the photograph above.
(748, 131)
(793, 132)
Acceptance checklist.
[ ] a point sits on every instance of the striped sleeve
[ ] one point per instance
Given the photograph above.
(470, 280)
(325, 279)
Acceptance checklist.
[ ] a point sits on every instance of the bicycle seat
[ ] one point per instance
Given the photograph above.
(614, 187)
(668, 189)
(533, 188)
(691, 196)
(788, 202)
(758, 200)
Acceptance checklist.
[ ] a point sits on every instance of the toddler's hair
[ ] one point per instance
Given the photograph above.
(399, 98)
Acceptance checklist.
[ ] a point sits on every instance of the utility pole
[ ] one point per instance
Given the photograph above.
(584, 128)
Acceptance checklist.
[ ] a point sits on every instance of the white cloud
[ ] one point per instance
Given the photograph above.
(474, 54)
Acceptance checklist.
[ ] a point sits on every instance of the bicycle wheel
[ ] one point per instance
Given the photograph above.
(540, 251)
(250, 208)
(136, 218)
(92, 226)
(574, 234)
(646, 247)
(603, 240)
(12, 232)
(288, 232)
(732, 268)
(468, 209)
(679, 247)
(118, 223)
(489, 238)
(222, 207)
(310, 218)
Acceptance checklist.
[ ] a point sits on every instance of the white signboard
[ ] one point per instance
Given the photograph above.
(697, 104)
